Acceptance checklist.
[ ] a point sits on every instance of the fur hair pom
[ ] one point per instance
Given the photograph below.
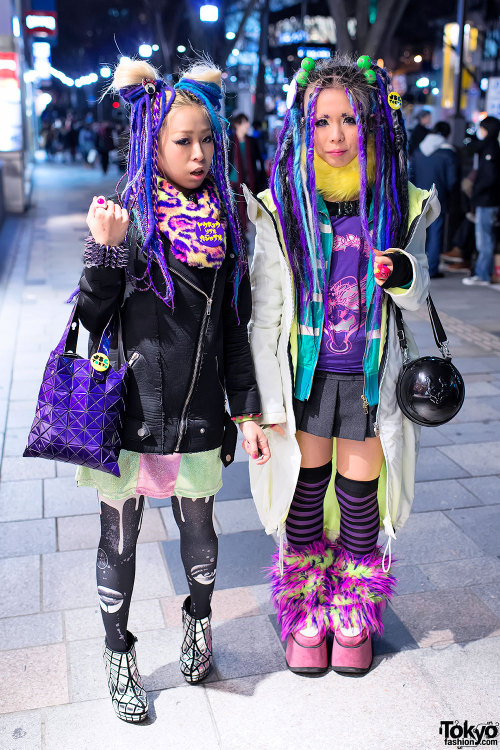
(131, 73)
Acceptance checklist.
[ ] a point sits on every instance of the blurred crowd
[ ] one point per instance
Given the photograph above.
(95, 144)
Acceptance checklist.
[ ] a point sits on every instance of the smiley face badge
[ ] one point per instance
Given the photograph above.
(99, 362)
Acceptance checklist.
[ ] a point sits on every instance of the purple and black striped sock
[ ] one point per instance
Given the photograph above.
(304, 523)
(359, 514)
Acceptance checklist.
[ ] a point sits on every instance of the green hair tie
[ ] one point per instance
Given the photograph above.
(364, 62)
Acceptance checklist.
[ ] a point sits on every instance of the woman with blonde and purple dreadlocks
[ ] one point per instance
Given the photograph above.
(340, 238)
(170, 257)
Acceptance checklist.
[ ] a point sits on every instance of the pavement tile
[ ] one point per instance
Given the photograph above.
(460, 573)
(20, 501)
(444, 670)
(468, 365)
(25, 390)
(476, 458)
(87, 678)
(82, 532)
(19, 538)
(431, 437)
(20, 578)
(235, 651)
(34, 677)
(15, 442)
(487, 489)
(81, 624)
(442, 495)
(432, 464)
(26, 468)
(481, 525)
(227, 604)
(180, 718)
(69, 577)
(489, 593)
(241, 560)
(236, 482)
(262, 595)
(435, 617)
(237, 515)
(478, 409)
(471, 432)
(21, 731)
(21, 414)
(64, 469)
(394, 688)
(63, 498)
(411, 579)
(480, 389)
(30, 630)
(432, 537)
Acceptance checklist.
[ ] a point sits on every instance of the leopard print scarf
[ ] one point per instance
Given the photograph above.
(196, 230)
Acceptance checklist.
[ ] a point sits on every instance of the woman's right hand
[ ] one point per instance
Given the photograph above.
(107, 221)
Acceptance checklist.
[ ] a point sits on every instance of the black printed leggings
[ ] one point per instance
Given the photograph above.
(120, 527)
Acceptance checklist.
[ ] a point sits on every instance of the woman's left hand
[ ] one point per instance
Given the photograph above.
(382, 268)
(255, 443)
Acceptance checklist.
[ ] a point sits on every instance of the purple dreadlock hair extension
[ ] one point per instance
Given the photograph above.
(311, 176)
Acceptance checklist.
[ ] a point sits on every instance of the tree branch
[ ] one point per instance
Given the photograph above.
(339, 15)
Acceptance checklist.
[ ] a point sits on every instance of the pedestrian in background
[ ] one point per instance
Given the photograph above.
(421, 129)
(486, 200)
(247, 164)
(435, 162)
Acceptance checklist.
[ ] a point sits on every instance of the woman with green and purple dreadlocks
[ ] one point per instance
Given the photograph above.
(169, 256)
(340, 234)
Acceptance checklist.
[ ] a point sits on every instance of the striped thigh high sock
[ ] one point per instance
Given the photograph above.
(359, 514)
(304, 523)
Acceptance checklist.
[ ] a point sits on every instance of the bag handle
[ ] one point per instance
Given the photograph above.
(69, 339)
(437, 329)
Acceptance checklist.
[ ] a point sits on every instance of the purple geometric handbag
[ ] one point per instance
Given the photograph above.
(81, 403)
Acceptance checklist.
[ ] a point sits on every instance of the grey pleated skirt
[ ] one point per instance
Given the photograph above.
(335, 409)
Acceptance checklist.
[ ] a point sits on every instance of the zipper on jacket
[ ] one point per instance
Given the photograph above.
(199, 347)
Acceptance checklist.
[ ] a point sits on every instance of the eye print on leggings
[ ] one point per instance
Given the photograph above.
(102, 559)
(110, 600)
(203, 573)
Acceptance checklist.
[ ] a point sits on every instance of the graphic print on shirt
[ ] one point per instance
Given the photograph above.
(343, 319)
(343, 340)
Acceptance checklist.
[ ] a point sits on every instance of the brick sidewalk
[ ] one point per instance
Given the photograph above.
(440, 655)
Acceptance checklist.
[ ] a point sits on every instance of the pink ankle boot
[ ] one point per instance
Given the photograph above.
(352, 654)
(305, 654)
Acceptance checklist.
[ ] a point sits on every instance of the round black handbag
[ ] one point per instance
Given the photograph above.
(430, 390)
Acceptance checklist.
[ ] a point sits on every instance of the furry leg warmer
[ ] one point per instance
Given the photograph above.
(300, 594)
(325, 585)
(359, 589)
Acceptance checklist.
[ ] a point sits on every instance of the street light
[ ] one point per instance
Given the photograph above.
(230, 35)
(209, 13)
(181, 48)
(145, 50)
(105, 71)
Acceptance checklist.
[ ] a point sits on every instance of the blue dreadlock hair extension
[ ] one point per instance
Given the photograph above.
(379, 128)
(150, 99)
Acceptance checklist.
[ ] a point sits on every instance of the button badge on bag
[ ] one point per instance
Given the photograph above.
(99, 362)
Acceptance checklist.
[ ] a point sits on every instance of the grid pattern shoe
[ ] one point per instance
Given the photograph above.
(130, 700)
(196, 649)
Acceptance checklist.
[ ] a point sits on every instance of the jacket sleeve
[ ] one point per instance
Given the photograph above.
(239, 374)
(267, 311)
(100, 292)
(415, 295)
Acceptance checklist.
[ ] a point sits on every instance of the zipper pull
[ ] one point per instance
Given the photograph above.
(209, 306)
(365, 404)
(133, 358)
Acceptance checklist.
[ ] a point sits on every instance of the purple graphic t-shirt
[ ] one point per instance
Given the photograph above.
(343, 340)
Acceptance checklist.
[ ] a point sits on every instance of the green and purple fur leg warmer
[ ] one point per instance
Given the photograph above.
(326, 586)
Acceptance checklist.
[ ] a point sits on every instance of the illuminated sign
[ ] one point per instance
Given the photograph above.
(312, 30)
(41, 23)
(10, 103)
(316, 53)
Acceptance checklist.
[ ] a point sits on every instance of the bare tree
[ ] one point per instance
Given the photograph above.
(370, 38)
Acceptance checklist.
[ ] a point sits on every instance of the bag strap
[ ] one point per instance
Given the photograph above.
(437, 329)
(69, 340)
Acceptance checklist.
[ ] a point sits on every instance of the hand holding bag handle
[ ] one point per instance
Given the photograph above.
(430, 390)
